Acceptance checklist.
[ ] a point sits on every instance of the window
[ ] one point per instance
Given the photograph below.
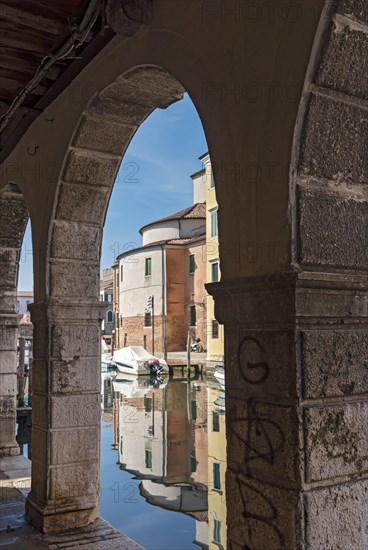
(214, 231)
(193, 317)
(215, 421)
(212, 181)
(217, 531)
(147, 319)
(117, 279)
(148, 404)
(193, 406)
(148, 459)
(215, 275)
(191, 263)
(216, 476)
(193, 462)
(121, 273)
(215, 328)
(148, 267)
(109, 316)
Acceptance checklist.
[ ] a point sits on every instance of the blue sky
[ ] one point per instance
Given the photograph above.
(153, 181)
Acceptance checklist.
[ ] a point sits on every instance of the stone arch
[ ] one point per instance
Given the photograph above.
(105, 129)
(13, 221)
(287, 306)
(329, 166)
(66, 389)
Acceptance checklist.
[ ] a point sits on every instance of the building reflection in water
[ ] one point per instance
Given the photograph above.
(172, 437)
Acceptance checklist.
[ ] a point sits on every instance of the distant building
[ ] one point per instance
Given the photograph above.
(161, 438)
(115, 305)
(106, 295)
(216, 468)
(24, 298)
(215, 331)
(170, 267)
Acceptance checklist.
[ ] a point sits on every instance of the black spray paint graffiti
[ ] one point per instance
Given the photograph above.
(261, 439)
(250, 359)
(260, 515)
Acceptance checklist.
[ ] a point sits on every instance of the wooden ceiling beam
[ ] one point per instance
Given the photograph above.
(25, 41)
(28, 19)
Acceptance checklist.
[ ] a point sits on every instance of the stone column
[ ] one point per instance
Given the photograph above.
(13, 220)
(8, 384)
(296, 410)
(66, 415)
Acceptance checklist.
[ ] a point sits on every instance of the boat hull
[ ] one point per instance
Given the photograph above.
(132, 360)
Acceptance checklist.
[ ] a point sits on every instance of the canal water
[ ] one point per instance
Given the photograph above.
(163, 459)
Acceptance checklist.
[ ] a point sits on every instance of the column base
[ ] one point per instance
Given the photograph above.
(52, 518)
(12, 449)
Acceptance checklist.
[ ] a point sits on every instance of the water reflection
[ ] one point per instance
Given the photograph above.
(170, 437)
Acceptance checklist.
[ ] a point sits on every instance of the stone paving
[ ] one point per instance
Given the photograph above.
(17, 534)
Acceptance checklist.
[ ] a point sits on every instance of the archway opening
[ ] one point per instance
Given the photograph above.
(178, 253)
(165, 434)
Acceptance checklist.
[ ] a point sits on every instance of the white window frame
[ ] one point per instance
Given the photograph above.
(214, 213)
(218, 270)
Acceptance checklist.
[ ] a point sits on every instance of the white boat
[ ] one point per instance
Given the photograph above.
(134, 360)
(219, 374)
(132, 386)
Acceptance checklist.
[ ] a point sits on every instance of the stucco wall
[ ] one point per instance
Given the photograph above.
(135, 288)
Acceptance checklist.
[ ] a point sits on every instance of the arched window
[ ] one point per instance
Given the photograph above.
(109, 316)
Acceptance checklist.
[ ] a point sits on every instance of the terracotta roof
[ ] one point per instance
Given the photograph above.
(196, 211)
(199, 516)
(175, 241)
(187, 241)
(179, 242)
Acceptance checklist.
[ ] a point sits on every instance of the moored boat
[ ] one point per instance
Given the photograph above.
(132, 386)
(219, 374)
(138, 361)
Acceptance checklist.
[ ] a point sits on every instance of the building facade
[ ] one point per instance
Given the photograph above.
(215, 331)
(24, 298)
(106, 295)
(161, 284)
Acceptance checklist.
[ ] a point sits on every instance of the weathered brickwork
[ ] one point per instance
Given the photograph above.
(356, 9)
(90, 168)
(334, 363)
(139, 335)
(83, 242)
(335, 141)
(337, 516)
(343, 43)
(327, 236)
(336, 441)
